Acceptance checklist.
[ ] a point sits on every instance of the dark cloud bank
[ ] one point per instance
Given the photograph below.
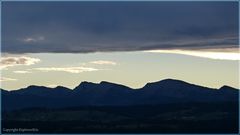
(74, 27)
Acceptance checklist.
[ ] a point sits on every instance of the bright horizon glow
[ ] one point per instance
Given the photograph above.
(203, 54)
(132, 69)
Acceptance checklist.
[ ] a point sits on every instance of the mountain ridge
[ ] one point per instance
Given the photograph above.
(110, 94)
(107, 105)
(106, 82)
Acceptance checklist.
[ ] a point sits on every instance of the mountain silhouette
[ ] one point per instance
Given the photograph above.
(167, 106)
(111, 94)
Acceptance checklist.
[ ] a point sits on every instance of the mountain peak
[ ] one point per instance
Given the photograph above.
(108, 83)
(105, 82)
(167, 82)
(61, 88)
(172, 81)
(85, 84)
(36, 88)
(224, 87)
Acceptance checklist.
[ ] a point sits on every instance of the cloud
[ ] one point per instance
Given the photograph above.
(4, 79)
(33, 39)
(83, 27)
(17, 61)
(22, 72)
(202, 54)
(67, 69)
(103, 62)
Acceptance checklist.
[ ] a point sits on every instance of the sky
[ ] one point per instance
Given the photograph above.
(130, 43)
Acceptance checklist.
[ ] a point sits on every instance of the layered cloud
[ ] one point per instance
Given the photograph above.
(17, 61)
(83, 27)
(203, 54)
(4, 79)
(67, 69)
(22, 72)
(103, 62)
